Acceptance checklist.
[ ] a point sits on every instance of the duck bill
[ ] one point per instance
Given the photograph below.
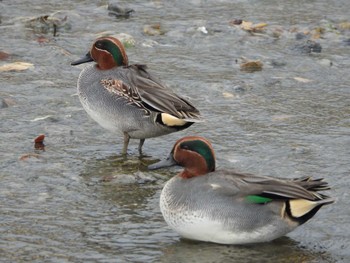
(163, 163)
(85, 59)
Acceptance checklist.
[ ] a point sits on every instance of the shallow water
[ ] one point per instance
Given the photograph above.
(80, 201)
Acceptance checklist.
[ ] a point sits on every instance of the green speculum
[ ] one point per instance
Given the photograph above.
(256, 199)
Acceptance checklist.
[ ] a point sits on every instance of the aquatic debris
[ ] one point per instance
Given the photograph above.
(42, 40)
(249, 26)
(344, 26)
(251, 65)
(235, 22)
(317, 32)
(153, 30)
(16, 66)
(4, 55)
(202, 29)
(118, 11)
(302, 80)
(39, 142)
(42, 118)
(49, 23)
(26, 156)
(228, 94)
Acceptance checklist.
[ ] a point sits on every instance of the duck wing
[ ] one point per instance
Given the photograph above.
(156, 96)
(297, 199)
(244, 184)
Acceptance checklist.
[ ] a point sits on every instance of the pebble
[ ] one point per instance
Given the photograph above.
(118, 11)
(309, 46)
(3, 104)
(325, 62)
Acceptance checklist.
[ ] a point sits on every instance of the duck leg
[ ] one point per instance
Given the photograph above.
(142, 141)
(126, 143)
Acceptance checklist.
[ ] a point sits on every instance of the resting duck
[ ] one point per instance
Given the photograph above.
(228, 207)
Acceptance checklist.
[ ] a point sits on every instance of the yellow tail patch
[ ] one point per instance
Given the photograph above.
(300, 207)
(170, 120)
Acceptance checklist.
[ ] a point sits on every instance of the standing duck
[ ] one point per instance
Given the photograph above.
(227, 207)
(126, 98)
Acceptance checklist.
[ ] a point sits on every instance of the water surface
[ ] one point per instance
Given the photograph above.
(80, 201)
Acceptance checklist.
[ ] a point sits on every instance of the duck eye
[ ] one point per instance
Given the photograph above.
(185, 147)
(99, 44)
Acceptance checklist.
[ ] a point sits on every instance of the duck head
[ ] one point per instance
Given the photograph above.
(194, 153)
(107, 52)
